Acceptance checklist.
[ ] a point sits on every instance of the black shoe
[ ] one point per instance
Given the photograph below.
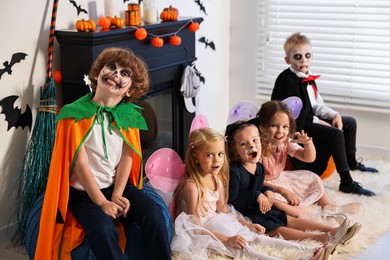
(360, 167)
(356, 188)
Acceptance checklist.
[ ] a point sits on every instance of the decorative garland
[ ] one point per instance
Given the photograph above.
(157, 41)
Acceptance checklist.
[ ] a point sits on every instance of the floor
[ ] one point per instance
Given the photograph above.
(380, 250)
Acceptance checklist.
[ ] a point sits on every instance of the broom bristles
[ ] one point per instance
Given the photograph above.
(34, 171)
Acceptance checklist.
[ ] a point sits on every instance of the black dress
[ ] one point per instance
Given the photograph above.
(244, 188)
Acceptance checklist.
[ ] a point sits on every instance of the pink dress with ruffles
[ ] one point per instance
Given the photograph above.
(307, 185)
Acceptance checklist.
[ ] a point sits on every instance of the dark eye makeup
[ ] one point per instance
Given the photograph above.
(299, 56)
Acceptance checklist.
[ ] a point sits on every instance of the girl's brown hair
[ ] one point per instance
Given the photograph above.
(127, 59)
(266, 113)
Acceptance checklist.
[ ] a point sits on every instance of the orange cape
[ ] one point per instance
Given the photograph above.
(59, 232)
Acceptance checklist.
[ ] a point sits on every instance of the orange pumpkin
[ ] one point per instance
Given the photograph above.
(93, 24)
(104, 22)
(169, 14)
(157, 42)
(193, 27)
(141, 34)
(116, 21)
(85, 26)
(175, 40)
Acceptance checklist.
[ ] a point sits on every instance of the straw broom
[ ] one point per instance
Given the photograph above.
(35, 167)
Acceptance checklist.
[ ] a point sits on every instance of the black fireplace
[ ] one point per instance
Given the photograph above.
(168, 120)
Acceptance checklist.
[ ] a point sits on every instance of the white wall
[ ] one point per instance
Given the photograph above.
(373, 128)
(29, 32)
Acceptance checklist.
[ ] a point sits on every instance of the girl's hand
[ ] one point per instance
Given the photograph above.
(301, 138)
(236, 242)
(259, 229)
(112, 209)
(264, 205)
(291, 198)
(270, 196)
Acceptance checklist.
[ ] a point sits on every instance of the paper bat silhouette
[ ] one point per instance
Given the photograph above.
(78, 7)
(201, 78)
(201, 6)
(13, 115)
(16, 58)
(207, 43)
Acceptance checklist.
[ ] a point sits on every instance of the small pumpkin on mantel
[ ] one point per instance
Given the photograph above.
(85, 25)
(116, 21)
(169, 14)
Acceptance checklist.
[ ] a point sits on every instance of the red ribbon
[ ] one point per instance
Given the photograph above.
(311, 79)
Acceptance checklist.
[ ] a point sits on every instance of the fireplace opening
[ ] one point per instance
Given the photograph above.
(157, 111)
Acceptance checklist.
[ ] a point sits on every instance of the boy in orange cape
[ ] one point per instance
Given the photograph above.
(95, 174)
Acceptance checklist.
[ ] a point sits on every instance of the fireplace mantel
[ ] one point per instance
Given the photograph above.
(78, 50)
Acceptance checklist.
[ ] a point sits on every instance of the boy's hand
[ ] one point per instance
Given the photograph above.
(264, 205)
(112, 209)
(123, 203)
(337, 121)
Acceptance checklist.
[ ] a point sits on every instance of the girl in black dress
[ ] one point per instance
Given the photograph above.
(249, 195)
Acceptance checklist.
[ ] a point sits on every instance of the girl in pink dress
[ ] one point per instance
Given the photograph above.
(297, 187)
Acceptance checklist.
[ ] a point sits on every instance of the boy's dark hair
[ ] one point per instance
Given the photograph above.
(127, 59)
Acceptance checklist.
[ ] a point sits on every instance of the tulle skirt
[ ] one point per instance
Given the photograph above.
(192, 241)
(307, 185)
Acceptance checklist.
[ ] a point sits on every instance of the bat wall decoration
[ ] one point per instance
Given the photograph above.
(78, 7)
(207, 43)
(201, 6)
(16, 58)
(13, 115)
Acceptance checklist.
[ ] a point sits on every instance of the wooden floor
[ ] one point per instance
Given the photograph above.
(380, 250)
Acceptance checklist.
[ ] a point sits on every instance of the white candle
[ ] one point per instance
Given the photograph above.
(110, 8)
(150, 14)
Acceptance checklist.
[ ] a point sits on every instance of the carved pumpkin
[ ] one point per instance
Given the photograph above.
(140, 34)
(175, 40)
(193, 27)
(169, 14)
(157, 42)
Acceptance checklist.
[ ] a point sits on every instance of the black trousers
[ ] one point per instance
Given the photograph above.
(100, 229)
(330, 141)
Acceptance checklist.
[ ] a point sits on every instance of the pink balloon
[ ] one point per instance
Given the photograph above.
(164, 169)
(294, 104)
(199, 121)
